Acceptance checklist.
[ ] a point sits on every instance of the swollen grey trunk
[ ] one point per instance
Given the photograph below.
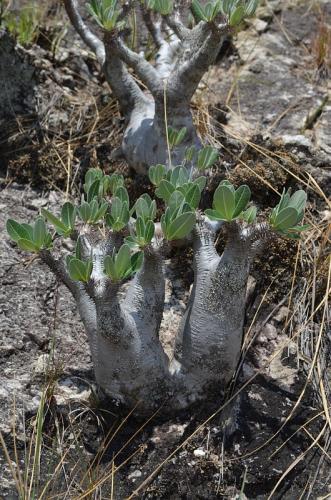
(183, 56)
(123, 326)
(129, 361)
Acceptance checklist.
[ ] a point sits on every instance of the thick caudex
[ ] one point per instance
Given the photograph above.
(118, 244)
(159, 93)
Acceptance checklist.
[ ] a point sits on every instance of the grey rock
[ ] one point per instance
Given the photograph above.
(270, 331)
(296, 140)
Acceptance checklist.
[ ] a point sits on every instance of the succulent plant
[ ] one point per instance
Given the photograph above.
(117, 242)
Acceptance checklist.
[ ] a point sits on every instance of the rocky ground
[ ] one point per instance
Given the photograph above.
(266, 105)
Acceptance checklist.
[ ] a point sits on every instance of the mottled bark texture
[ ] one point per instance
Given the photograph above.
(123, 329)
(183, 56)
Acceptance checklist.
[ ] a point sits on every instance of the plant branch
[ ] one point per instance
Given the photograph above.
(257, 235)
(257, 232)
(144, 70)
(200, 51)
(57, 266)
(152, 26)
(82, 29)
(174, 22)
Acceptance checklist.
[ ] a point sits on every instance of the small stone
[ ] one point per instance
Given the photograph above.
(282, 314)
(296, 140)
(40, 365)
(199, 453)
(134, 475)
(38, 202)
(261, 338)
(7, 349)
(270, 331)
(260, 25)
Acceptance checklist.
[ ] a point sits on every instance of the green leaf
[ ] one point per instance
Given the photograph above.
(164, 7)
(178, 176)
(110, 268)
(225, 182)
(123, 260)
(142, 208)
(157, 173)
(125, 215)
(149, 231)
(299, 229)
(181, 226)
(227, 6)
(198, 10)
(242, 197)
(103, 207)
(17, 231)
(237, 15)
(165, 190)
(116, 208)
(251, 7)
(164, 225)
(48, 241)
(180, 136)
(93, 191)
(136, 261)
(84, 211)
(94, 207)
(201, 182)
(115, 181)
(250, 214)
(123, 195)
(147, 198)
(27, 245)
(78, 248)
(59, 226)
(175, 200)
(132, 242)
(183, 176)
(91, 176)
(207, 157)
(298, 200)
(216, 9)
(79, 270)
(68, 214)
(286, 218)
(140, 227)
(284, 201)
(184, 189)
(224, 202)
(213, 214)
(190, 153)
(29, 230)
(193, 196)
(68, 259)
(39, 232)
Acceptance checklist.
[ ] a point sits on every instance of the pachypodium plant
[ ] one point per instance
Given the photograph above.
(120, 243)
(155, 100)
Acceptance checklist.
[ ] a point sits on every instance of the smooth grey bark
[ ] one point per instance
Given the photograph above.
(208, 346)
(129, 361)
(183, 56)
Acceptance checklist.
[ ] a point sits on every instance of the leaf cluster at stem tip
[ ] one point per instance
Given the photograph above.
(286, 217)
(180, 193)
(107, 13)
